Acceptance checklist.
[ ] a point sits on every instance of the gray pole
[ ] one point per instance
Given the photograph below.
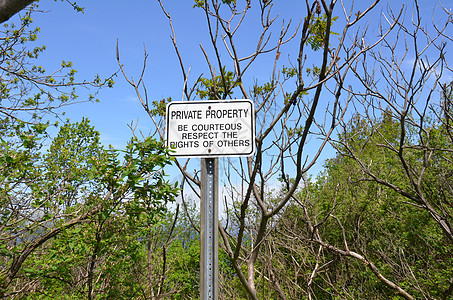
(209, 258)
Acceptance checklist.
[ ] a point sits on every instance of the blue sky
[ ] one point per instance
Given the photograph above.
(89, 41)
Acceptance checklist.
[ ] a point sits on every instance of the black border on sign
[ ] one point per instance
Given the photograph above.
(214, 102)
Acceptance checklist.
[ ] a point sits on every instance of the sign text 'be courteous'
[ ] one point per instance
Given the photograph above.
(211, 128)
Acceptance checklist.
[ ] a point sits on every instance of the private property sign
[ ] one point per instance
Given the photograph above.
(211, 128)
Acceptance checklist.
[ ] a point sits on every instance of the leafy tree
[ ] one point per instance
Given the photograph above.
(174, 258)
(27, 89)
(403, 242)
(340, 62)
(288, 107)
(407, 125)
(349, 236)
(64, 210)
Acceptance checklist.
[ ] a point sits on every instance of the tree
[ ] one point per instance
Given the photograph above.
(368, 228)
(288, 107)
(402, 116)
(28, 90)
(9, 8)
(76, 195)
(304, 104)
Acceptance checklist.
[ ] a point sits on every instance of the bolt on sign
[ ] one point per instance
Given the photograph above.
(211, 128)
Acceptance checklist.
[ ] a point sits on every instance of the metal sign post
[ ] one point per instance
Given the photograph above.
(210, 129)
(209, 262)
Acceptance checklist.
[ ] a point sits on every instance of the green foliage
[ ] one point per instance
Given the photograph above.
(202, 3)
(199, 3)
(74, 156)
(317, 31)
(220, 87)
(160, 107)
(73, 215)
(289, 72)
(42, 192)
(76, 7)
(29, 91)
(178, 255)
(315, 71)
(288, 98)
(382, 223)
(351, 211)
(295, 131)
(262, 90)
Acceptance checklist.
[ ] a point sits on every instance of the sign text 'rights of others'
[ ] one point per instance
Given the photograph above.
(211, 128)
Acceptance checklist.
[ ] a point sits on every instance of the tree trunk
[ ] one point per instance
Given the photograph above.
(9, 8)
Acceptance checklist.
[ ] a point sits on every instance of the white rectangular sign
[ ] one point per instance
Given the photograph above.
(211, 128)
